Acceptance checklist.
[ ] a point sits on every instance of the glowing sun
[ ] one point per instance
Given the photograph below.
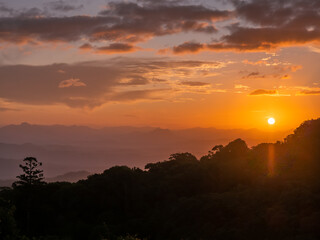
(271, 121)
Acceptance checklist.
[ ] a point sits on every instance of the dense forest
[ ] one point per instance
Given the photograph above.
(269, 191)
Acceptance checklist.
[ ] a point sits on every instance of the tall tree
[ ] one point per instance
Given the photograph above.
(32, 174)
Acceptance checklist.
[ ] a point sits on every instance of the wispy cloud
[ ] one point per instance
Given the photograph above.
(63, 6)
(259, 92)
(315, 92)
(195, 84)
(72, 82)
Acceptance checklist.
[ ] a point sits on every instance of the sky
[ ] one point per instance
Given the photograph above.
(171, 63)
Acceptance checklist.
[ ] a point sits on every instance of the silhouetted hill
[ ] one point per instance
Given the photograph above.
(269, 191)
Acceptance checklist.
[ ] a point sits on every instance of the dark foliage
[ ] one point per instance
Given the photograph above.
(271, 191)
(32, 175)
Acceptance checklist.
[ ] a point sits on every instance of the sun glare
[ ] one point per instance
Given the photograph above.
(271, 121)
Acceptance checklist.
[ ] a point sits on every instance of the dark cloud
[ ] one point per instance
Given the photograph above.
(274, 12)
(142, 22)
(162, 2)
(266, 38)
(63, 6)
(264, 12)
(116, 48)
(263, 92)
(165, 13)
(259, 25)
(5, 9)
(272, 24)
(50, 29)
(86, 46)
(277, 23)
(253, 75)
(121, 22)
(188, 47)
(33, 12)
(158, 80)
(111, 48)
(195, 84)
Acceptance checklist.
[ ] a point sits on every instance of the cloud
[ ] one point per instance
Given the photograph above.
(265, 25)
(286, 76)
(118, 79)
(274, 13)
(188, 47)
(263, 92)
(195, 84)
(39, 85)
(257, 25)
(307, 90)
(120, 22)
(116, 48)
(149, 94)
(63, 6)
(314, 49)
(255, 39)
(65, 29)
(310, 92)
(280, 71)
(5, 106)
(5, 9)
(112, 48)
(33, 12)
(260, 62)
(240, 86)
(158, 80)
(72, 82)
(292, 68)
(260, 39)
(5, 109)
(253, 75)
(134, 80)
(86, 46)
(277, 23)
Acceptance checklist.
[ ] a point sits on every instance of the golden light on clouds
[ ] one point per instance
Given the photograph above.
(211, 73)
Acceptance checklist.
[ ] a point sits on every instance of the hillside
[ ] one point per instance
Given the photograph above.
(269, 191)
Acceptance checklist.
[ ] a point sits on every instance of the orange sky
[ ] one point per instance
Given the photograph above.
(173, 64)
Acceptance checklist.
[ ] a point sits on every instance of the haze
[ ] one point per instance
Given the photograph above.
(153, 66)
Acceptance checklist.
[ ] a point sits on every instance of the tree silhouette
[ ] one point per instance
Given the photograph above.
(32, 174)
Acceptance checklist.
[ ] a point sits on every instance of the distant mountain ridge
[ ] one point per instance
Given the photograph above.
(67, 177)
(55, 134)
(73, 148)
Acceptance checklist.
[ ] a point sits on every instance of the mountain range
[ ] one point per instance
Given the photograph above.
(64, 149)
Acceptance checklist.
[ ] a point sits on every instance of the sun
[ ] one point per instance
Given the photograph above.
(271, 121)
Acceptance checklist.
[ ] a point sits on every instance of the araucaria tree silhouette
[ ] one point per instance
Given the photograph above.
(32, 174)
